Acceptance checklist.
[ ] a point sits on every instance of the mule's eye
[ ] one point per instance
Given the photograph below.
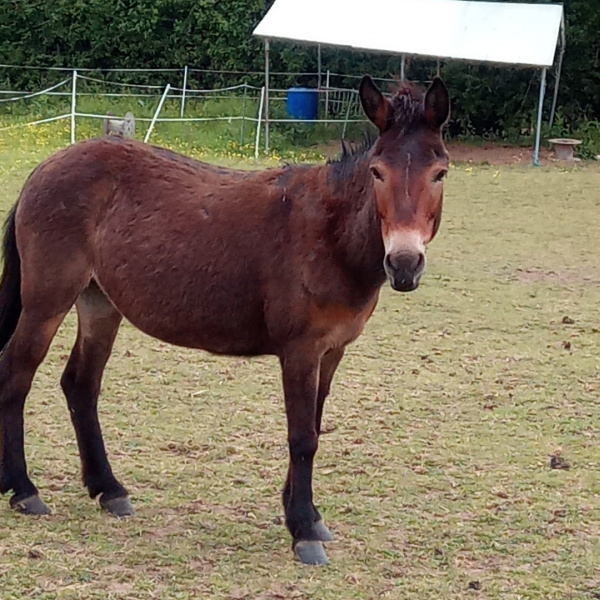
(440, 175)
(376, 173)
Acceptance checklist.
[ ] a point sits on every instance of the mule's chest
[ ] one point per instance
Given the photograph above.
(336, 325)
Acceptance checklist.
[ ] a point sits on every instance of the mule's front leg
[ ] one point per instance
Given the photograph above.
(300, 384)
(329, 364)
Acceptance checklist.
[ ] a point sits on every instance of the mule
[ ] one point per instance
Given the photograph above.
(286, 262)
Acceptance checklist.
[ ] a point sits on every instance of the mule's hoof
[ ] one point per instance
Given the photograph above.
(32, 505)
(119, 507)
(322, 531)
(311, 553)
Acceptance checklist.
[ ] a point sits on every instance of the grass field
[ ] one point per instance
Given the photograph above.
(435, 472)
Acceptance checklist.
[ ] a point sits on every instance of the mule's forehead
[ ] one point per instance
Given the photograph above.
(421, 148)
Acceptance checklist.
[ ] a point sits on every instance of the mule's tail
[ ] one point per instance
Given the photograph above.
(10, 284)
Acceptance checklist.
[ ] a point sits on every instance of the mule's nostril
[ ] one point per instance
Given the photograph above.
(420, 262)
(387, 262)
(408, 263)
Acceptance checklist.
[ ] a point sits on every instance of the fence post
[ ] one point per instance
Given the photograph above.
(160, 105)
(258, 120)
(73, 101)
(267, 68)
(185, 78)
(350, 101)
(243, 114)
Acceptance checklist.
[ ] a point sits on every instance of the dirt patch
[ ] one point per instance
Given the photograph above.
(489, 153)
(498, 154)
(561, 277)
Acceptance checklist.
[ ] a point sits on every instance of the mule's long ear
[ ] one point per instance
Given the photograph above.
(376, 106)
(437, 104)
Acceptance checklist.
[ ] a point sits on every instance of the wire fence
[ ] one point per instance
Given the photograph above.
(337, 103)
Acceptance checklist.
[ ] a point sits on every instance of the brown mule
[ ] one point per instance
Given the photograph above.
(286, 261)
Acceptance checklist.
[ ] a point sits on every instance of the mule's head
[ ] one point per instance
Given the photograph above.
(407, 166)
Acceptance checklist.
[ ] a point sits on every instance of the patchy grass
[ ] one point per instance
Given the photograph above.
(227, 138)
(434, 474)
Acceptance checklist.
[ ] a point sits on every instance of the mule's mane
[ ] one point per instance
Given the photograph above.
(351, 154)
(407, 102)
(350, 151)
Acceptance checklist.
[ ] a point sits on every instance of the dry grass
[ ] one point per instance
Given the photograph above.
(434, 475)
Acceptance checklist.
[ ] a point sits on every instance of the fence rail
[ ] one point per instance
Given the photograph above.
(336, 100)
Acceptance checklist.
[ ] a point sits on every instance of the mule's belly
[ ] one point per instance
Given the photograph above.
(192, 320)
(186, 288)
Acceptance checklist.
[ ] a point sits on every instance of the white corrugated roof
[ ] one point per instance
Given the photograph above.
(496, 32)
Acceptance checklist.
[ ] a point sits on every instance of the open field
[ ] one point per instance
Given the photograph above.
(434, 473)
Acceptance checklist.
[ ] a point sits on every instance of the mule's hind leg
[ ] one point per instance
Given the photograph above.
(18, 364)
(98, 325)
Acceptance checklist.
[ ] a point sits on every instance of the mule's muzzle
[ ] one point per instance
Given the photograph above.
(404, 270)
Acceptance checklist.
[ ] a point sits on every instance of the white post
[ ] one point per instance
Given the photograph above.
(350, 100)
(73, 102)
(266, 96)
(258, 120)
(243, 114)
(160, 105)
(185, 76)
(538, 133)
(403, 67)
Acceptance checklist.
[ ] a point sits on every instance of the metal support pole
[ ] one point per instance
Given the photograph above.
(563, 44)
(185, 77)
(538, 133)
(243, 114)
(266, 97)
(73, 102)
(160, 105)
(327, 95)
(319, 64)
(258, 120)
(403, 67)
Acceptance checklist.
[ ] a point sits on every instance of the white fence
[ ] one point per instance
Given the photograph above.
(340, 104)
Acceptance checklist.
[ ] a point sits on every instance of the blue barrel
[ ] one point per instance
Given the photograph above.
(302, 103)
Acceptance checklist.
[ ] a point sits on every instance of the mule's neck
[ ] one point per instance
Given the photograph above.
(354, 221)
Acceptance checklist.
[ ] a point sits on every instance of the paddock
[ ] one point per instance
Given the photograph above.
(437, 484)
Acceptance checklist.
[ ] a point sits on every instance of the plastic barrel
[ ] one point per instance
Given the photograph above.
(302, 103)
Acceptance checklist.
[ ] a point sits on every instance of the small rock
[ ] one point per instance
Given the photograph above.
(558, 462)
(475, 585)
(567, 320)
(566, 345)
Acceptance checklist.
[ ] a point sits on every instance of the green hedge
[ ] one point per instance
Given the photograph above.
(216, 34)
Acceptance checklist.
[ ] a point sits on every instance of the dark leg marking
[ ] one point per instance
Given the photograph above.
(81, 381)
(328, 367)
